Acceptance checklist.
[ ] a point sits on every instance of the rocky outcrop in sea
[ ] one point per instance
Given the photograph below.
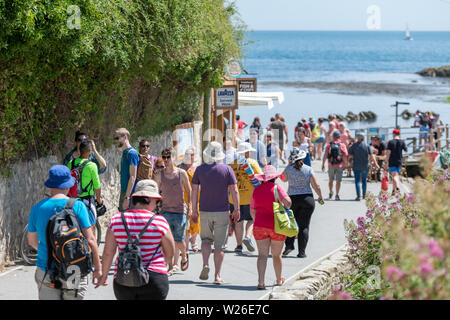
(442, 72)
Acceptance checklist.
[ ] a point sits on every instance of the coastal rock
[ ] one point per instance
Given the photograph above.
(443, 72)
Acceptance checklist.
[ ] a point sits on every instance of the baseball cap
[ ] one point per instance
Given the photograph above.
(396, 131)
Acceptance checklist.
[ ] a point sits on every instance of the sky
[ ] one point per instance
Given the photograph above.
(420, 15)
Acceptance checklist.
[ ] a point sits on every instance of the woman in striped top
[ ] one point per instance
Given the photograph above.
(156, 244)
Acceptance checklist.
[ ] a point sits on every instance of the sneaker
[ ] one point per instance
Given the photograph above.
(287, 251)
(301, 255)
(337, 198)
(330, 196)
(364, 196)
(249, 244)
(358, 198)
(238, 249)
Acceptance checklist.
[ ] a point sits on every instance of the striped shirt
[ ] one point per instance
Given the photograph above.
(150, 240)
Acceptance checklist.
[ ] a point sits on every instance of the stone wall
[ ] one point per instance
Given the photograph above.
(25, 187)
(318, 281)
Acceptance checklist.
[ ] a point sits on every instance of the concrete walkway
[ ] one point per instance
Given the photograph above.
(239, 270)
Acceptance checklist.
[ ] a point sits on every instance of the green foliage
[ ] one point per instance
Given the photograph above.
(137, 64)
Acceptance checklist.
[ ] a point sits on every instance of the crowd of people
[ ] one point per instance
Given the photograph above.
(212, 200)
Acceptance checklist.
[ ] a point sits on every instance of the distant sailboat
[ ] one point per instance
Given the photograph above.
(407, 34)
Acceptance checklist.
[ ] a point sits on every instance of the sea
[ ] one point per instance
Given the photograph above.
(324, 72)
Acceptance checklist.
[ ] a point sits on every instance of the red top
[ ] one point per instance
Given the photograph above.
(262, 201)
(343, 152)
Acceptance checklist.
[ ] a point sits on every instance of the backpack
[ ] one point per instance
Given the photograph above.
(76, 172)
(423, 120)
(67, 245)
(130, 271)
(444, 157)
(145, 168)
(335, 155)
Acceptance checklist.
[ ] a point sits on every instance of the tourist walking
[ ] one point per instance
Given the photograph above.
(280, 132)
(193, 229)
(240, 126)
(273, 152)
(259, 150)
(173, 182)
(229, 150)
(394, 157)
(304, 143)
(214, 181)
(145, 157)
(91, 191)
(156, 245)
(245, 188)
(329, 135)
(257, 126)
(128, 167)
(94, 157)
(301, 178)
(59, 182)
(261, 210)
(361, 153)
(318, 138)
(337, 156)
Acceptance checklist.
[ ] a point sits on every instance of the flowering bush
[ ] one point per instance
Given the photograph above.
(405, 238)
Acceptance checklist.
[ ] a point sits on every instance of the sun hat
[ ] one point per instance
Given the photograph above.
(147, 188)
(59, 177)
(244, 147)
(297, 154)
(213, 152)
(396, 132)
(270, 172)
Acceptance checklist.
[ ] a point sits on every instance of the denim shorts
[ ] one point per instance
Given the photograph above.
(394, 169)
(177, 223)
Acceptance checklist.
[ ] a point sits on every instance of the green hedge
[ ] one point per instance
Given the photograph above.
(140, 64)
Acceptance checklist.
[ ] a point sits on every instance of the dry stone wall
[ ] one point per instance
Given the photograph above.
(317, 282)
(25, 187)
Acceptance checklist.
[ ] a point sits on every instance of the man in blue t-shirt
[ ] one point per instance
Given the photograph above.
(59, 182)
(128, 167)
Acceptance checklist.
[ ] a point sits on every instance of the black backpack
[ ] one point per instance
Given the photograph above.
(67, 245)
(130, 271)
(335, 155)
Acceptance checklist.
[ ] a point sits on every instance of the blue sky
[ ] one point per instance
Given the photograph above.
(421, 15)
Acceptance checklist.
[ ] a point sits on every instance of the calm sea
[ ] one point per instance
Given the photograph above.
(316, 70)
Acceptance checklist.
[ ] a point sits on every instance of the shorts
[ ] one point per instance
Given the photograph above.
(214, 228)
(320, 140)
(335, 173)
(394, 169)
(177, 223)
(261, 233)
(245, 212)
(47, 292)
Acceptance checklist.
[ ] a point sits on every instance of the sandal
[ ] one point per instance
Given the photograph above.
(195, 247)
(185, 265)
(259, 287)
(205, 273)
(282, 282)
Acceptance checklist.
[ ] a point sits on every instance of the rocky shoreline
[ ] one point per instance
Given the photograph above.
(442, 72)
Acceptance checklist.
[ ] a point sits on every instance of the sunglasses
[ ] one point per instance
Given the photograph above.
(81, 139)
(144, 146)
(166, 157)
(116, 138)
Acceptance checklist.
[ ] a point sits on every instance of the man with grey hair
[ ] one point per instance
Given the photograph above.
(361, 152)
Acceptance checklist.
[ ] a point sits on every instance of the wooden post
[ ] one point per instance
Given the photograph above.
(414, 145)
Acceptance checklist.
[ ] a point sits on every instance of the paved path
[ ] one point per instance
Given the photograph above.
(239, 270)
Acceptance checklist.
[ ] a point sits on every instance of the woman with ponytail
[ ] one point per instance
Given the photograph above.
(300, 178)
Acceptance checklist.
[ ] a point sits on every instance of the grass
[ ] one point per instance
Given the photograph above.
(447, 100)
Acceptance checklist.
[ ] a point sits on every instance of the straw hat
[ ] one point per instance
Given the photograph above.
(214, 152)
(147, 188)
(244, 147)
(270, 173)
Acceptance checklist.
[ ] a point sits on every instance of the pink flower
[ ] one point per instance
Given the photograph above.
(373, 249)
(432, 244)
(425, 268)
(437, 252)
(394, 274)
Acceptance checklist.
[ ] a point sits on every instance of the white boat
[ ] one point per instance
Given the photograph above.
(407, 34)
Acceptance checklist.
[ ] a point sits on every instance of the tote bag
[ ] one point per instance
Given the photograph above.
(284, 219)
